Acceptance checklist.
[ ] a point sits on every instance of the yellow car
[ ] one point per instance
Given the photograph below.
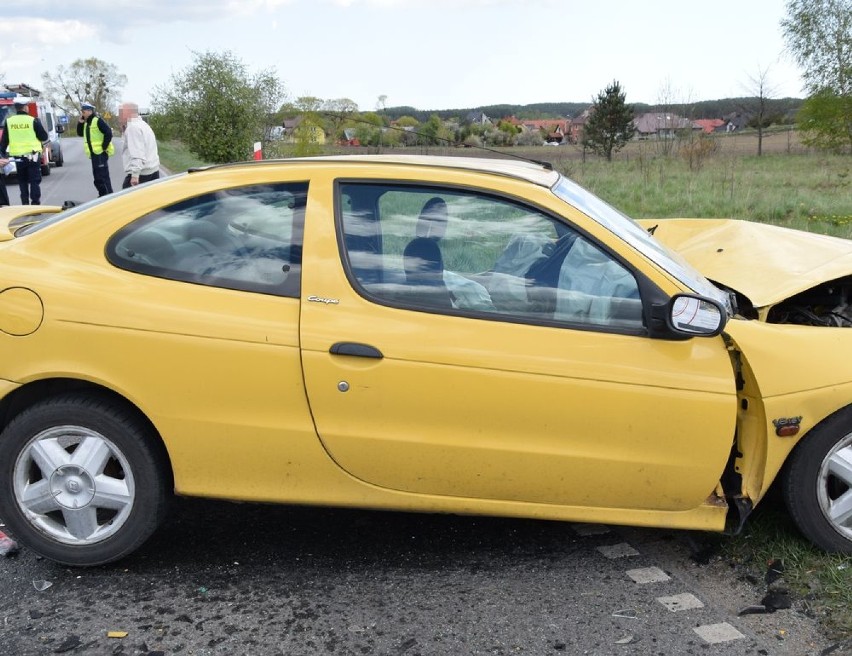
(417, 334)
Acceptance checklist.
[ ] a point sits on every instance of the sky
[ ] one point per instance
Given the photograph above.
(427, 54)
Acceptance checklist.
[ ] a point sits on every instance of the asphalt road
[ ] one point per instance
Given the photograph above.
(243, 579)
(230, 579)
(73, 180)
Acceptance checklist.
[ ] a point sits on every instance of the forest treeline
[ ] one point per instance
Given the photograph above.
(786, 107)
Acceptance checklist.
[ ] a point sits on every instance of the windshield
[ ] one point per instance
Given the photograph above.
(4, 111)
(639, 238)
(51, 219)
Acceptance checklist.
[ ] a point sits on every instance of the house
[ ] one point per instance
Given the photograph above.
(736, 121)
(710, 125)
(578, 125)
(661, 125)
(554, 130)
(349, 138)
(307, 129)
(477, 118)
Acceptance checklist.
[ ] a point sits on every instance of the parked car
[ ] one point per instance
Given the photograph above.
(430, 334)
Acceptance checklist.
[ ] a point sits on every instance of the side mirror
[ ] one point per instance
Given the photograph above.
(60, 128)
(690, 315)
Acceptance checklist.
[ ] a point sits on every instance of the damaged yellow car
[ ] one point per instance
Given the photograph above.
(417, 334)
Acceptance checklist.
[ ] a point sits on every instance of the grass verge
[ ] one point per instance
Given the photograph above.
(822, 581)
(176, 158)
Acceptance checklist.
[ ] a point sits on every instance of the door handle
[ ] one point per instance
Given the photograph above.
(356, 349)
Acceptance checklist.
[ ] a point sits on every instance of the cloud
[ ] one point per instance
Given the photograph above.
(41, 31)
(110, 16)
(112, 20)
(436, 4)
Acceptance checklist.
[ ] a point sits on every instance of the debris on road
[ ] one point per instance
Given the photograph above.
(8, 546)
(777, 596)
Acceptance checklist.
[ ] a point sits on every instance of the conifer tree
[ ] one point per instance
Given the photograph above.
(610, 124)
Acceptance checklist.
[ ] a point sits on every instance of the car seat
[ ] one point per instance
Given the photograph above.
(432, 222)
(424, 273)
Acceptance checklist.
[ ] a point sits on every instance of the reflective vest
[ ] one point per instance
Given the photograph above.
(93, 133)
(22, 136)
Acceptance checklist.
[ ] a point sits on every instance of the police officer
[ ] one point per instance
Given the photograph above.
(23, 139)
(97, 141)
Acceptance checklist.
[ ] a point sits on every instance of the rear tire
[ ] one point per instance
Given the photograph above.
(82, 480)
(817, 484)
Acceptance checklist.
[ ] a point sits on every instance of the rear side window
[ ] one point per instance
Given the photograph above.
(246, 238)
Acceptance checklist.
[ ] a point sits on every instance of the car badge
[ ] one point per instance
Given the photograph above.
(320, 299)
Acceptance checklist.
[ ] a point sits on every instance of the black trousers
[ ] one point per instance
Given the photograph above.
(142, 178)
(4, 195)
(29, 181)
(100, 171)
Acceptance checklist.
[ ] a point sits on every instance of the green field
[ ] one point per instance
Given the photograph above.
(807, 192)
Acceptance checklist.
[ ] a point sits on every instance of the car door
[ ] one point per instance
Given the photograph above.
(489, 349)
(208, 340)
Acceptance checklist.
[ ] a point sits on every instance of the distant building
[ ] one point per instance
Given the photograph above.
(661, 125)
(578, 125)
(736, 121)
(293, 126)
(349, 138)
(710, 125)
(477, 118)
(552, 130)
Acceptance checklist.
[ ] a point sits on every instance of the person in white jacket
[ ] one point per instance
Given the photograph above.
(139, 153)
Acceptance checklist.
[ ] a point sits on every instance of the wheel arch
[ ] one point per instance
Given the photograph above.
(34, 392)
(841, 415)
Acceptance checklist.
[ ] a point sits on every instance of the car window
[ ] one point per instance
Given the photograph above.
(639, 238)
(247, 238)
(466, 252)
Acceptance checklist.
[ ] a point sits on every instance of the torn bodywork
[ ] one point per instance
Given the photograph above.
(828, 304)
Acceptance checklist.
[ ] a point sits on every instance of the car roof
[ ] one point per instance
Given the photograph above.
(531, 171)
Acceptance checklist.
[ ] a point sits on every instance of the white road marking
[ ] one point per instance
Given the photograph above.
(685, 601)
(620, 550)
(648, 575)
(716, 633)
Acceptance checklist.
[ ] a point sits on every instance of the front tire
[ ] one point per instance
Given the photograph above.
(817, 484)
(82, 481)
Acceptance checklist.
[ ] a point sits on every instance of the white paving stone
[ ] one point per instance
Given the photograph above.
(685, 601)
(716, 633)
(620, 550)
(648, 575)
(590, 529)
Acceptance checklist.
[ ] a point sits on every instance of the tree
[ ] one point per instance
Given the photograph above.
(217, 108)
(819, 37)
(609, 126)
(370, 128)
(760, 87)
(338, 114)
(90, 79)
(433, 132)
(825, 121)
